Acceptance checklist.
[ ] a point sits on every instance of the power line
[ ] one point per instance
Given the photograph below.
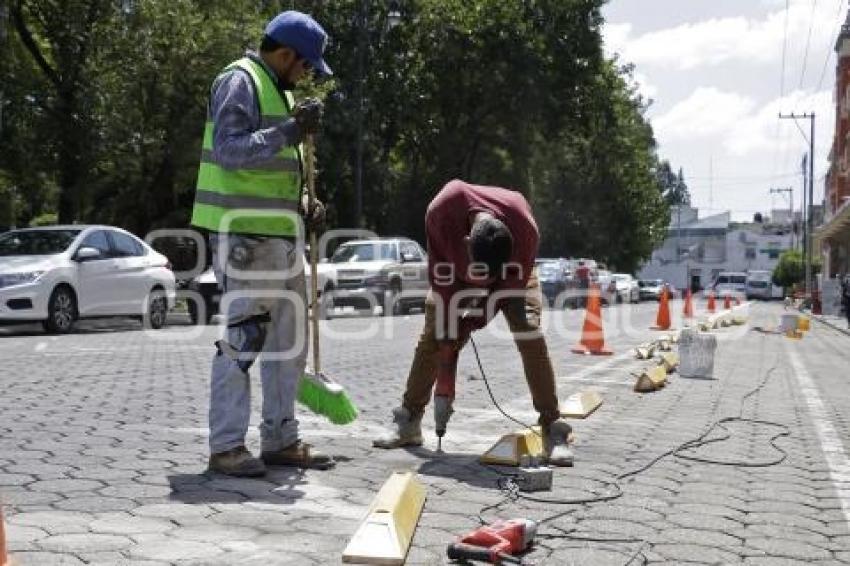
(829, 46)
(784, 49)
(781, 88)
(808, 42)
(745, 177)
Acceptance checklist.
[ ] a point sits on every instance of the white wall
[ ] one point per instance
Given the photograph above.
(729, 254)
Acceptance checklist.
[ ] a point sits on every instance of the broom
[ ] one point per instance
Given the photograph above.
(316, 391)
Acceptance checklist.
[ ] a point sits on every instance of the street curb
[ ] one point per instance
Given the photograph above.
(821, 320)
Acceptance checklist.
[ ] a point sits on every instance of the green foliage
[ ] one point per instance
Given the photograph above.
(790, 270)
(46, 219)
(515, 94)
(672, 185)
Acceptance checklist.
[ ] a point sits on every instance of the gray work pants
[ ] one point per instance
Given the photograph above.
(266, 318)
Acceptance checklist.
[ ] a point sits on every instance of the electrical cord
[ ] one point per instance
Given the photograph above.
(507, 483)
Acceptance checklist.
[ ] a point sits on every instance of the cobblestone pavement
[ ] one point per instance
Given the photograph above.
(103, 450)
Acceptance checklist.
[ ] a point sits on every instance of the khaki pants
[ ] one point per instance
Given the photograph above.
(523, 316)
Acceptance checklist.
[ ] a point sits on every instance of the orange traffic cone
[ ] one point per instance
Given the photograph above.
(688, 311)
(662, 321)
(727, 302)
(592, 336)
(711, 306)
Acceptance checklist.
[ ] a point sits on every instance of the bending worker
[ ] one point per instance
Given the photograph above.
(482, 242)
(248, 199)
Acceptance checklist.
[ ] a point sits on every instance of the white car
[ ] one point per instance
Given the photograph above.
(607, 287)
(626, 287)
(59, 274)
(731, 283)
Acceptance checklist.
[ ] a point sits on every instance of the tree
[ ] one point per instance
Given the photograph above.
(791, 271)
(59, 36)
(672, 185)
(515, 94)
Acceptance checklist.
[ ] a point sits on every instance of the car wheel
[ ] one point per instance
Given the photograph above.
(194, 315)
(326, 303)
(192, 307)
(156, 312)
(61, 311)
(392, 304)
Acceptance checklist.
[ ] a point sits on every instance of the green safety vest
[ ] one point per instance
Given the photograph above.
(261, 199)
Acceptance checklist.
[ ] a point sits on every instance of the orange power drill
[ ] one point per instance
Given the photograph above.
(495, 543)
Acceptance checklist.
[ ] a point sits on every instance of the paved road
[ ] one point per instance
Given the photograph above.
(103, 449)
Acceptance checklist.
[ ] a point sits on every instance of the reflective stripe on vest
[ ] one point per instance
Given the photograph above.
(261, 198)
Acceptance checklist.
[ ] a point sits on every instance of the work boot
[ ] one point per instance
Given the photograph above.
(237, 463)
(556, 439)
(406, 432)
(299, 454)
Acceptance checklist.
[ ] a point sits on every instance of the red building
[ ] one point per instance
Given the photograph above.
(833, 236)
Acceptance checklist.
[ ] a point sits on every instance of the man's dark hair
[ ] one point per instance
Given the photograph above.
(492, 244)
(267, 45)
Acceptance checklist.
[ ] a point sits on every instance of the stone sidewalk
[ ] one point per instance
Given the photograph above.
(103, 449)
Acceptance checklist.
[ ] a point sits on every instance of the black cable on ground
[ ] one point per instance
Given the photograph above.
(508, 485)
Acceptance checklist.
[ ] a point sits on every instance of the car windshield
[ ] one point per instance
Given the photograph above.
(549, 269)
(758, 284)
(36, 242)
(365, 252)
(650, 282)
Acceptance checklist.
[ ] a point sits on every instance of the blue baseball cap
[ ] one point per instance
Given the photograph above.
(302, 33)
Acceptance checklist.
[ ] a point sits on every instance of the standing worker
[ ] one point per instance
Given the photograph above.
(485, 239)
(583, 275)
(248, 199)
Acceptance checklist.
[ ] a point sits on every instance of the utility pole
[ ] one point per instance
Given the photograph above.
(807, 209)
(790, 191)
(678, 234)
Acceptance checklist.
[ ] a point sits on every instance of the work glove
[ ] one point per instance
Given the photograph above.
(314, 216)
(308, 115)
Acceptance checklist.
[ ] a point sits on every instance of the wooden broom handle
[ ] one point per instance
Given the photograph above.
(310, 158)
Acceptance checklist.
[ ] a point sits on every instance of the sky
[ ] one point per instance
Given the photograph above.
(717, 78)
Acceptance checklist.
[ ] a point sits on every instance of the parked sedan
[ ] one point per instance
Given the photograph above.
(650, 289)
(626, 289)
(555, 278)
(57, 275)
(607, 287)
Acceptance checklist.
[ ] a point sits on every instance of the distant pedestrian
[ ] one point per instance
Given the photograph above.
(249, 190)
(583, 276)
(845, 297)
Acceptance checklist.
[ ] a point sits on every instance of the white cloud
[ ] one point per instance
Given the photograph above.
(646, 88)
(721, 40)
(757, 132)
(743, 127)
(708, 111)
(615, 36)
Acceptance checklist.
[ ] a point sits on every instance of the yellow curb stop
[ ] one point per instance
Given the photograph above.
(384, 535)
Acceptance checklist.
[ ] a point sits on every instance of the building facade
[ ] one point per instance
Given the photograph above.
(697, 249)
(832, 237)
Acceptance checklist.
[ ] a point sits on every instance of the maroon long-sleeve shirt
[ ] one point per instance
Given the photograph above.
(448, 221)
